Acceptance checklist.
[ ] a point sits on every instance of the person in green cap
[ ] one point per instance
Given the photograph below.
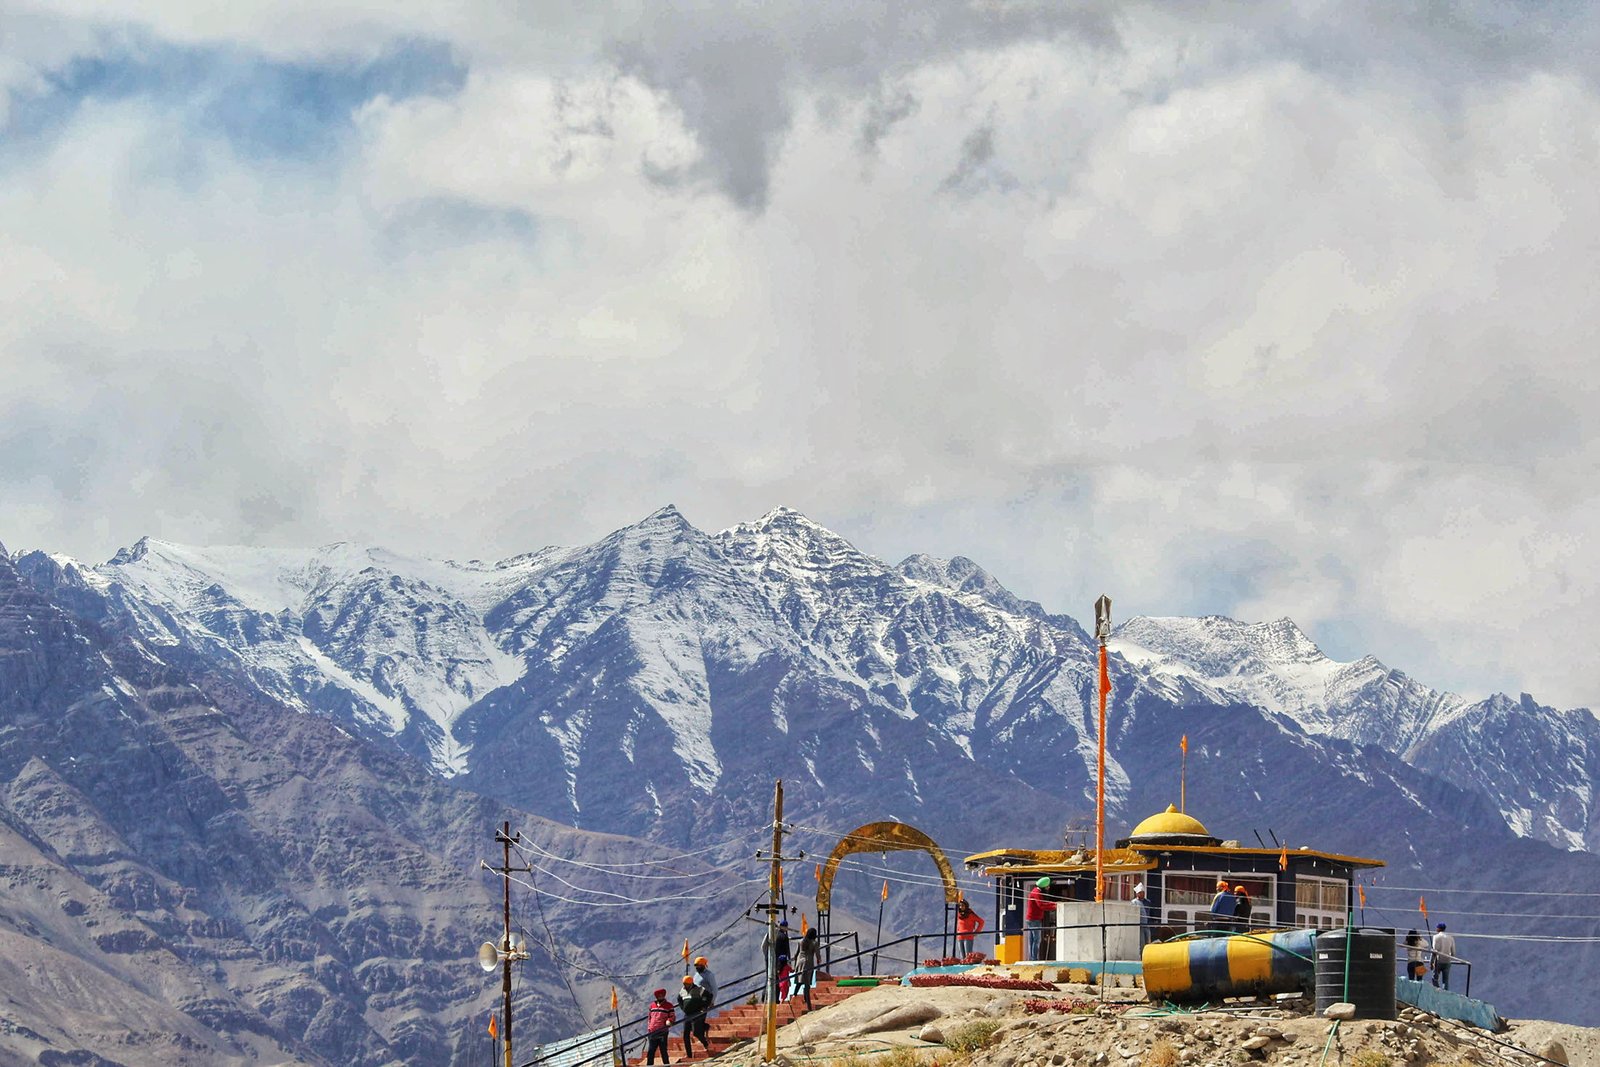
(1034, 915)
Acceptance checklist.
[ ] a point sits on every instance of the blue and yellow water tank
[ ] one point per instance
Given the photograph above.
(1208, 968)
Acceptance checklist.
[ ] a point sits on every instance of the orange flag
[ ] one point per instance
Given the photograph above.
(885, 889)
(1283, 859)
(493, 1030)
(686, 950)
(1423, 904)
(1362, 894)
(1184, 744)
(819, 874)
(613, 998)
(803, 926)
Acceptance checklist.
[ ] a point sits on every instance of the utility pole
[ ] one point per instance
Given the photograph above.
(772, 923)
(508, 950)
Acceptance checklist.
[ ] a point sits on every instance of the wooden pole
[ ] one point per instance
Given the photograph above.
(772, 924)
(508, 954)
(505, 945)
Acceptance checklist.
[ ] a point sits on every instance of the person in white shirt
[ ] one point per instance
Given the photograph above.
(1444, 954)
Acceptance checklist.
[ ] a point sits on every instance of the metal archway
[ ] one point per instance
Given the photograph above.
(888, 836)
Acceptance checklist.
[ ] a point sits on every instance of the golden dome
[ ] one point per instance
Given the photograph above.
(1167, 823)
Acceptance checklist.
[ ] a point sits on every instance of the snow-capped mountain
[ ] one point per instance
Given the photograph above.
(1534, 763)
(620, 658)
(655, 682)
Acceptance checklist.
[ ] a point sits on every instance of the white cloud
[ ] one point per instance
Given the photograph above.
(1263, 322)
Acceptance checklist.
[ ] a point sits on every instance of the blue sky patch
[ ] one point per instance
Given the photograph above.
(262, 108)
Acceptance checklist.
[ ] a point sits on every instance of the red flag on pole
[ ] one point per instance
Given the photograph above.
(804, 926)
(885, 889)
(686, 950)
(494, 1031)
(613, 998)
(1184, 744)
(1362, 893)
(1423, 904)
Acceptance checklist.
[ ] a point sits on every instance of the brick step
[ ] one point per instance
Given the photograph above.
(739, 1023)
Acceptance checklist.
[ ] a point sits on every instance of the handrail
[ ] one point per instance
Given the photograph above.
(756, 983)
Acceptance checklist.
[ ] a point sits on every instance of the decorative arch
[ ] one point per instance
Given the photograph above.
(888, 836)
(884, 837)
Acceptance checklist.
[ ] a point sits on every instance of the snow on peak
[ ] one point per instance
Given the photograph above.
(961, 575)
(1273, 664)
(404, 637)
(784, 540)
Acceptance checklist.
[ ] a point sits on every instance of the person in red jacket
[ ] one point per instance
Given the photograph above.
(658, 1026)
(969, 924)
(1034, 915)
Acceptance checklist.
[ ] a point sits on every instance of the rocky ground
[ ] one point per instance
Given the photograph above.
(895, 1026)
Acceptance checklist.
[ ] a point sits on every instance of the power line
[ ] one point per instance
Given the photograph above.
(631, 903)
(602, 892)
(611, 869)
(1483, 892)
(676, 855)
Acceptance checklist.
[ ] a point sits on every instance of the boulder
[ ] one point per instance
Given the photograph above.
(1554, 1050)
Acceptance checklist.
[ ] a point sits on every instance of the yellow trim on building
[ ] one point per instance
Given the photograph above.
(1125, 860)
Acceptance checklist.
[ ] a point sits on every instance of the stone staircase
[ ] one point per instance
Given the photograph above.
(739, 1023)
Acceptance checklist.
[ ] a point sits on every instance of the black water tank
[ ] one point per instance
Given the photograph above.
(1371, 952)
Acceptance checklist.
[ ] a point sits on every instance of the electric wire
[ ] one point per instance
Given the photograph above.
(1482, 892)
(611, 869)
(565, 978)
(632, 903)
(604, 892)
(724, 843)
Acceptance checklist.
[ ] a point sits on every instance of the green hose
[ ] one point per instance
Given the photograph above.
(1332, 1032)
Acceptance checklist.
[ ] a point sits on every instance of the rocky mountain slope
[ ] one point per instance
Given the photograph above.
(656, 682)
(192, 874)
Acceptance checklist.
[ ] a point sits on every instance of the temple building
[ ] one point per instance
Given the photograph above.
(1178, 862)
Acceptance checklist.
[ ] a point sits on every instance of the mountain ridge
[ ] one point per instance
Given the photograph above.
(664, 676)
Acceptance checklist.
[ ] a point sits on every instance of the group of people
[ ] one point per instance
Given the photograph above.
(1442, 952)
(699, 993)
(1231, 906)
(697, 997)
(802, 970)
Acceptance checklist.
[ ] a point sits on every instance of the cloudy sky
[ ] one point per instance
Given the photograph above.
(1269, 310)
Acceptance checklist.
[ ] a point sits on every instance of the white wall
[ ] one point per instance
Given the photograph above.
(1122, 942)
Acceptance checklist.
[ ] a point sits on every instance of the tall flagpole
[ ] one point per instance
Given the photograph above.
(1183, 776)
(1102, 632)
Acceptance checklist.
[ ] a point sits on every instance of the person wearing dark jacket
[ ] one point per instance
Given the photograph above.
(693, 1000)
(1241, 908)
(806, 972)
